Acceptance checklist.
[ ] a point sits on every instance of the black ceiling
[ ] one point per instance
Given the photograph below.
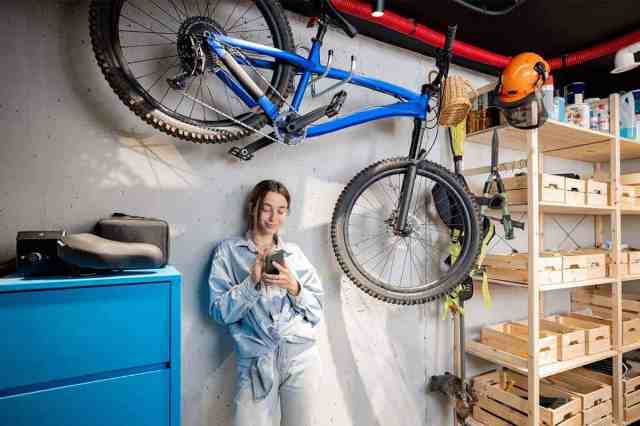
(551, 28)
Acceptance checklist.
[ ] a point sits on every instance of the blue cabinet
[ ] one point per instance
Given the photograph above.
(91, 351)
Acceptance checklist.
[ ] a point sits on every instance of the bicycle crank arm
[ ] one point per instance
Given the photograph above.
(330, 110)
(246, 153)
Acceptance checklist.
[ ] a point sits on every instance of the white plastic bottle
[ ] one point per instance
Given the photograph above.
(547, 97)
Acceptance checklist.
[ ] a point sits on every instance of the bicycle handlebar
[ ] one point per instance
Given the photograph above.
(450, 37)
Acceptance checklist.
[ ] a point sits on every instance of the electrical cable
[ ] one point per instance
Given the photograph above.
(485, 11)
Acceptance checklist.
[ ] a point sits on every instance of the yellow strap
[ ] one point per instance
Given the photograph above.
(458, 134)
(486, 295)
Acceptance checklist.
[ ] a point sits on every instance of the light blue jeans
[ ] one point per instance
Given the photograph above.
(297, 376)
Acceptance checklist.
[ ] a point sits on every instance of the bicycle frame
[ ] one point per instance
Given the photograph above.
(411, 104)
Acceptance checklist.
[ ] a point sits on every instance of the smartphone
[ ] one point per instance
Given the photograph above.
(277, 256)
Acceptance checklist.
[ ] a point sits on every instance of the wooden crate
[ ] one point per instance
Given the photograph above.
(552, 189)
(512, 338)
(575, 266)
(597, 193)
(630, 179)
(575, 192)
(630, 390)
(597, 336)
(514, 267)
(630, 328)
(508, 404)
(623, 264)
(634, 262)
(599, 302)
(571, 342)
(597, 407)
(596, 262)
(629, 197)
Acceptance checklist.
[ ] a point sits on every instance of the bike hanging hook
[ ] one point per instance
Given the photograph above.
(315, 93)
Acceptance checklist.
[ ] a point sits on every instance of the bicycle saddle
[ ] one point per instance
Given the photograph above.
(329, 9)
(94, 252)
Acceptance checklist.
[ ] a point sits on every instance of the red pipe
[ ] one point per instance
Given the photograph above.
(420, 32)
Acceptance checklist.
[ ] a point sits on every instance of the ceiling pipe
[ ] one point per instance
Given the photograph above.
(409, 27)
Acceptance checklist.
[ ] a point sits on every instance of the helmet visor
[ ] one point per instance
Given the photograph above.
(529, 113)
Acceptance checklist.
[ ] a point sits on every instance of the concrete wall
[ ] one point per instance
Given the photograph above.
(71, 153)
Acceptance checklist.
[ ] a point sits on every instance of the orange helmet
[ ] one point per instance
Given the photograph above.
(518, 90)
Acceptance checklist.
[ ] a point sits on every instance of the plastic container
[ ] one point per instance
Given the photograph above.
(636, 96)
(627, 116)
(593, 117)
(574, 92)
(559, 109)
(547, 97)
(578, 115)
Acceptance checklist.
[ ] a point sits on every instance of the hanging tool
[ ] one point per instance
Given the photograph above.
(497, 201)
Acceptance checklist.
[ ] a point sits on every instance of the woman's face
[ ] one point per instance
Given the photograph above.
(273, 213)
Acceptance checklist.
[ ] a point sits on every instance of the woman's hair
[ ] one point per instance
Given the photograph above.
(257, 195)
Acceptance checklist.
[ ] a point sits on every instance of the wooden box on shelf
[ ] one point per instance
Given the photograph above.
(596, 262)
(600, 302)
(552, 189)
(514, 267)
(629, 197)
(623, 264)
(597, 407)
(571, 342)
(630, 390)
(513, 338)
(506, 398)
(630, 328)
(597, 193)
(576, 192)
(634, 261)
(554, 267)
(597, 336)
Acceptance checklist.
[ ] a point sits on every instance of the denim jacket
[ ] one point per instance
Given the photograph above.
(259, 320)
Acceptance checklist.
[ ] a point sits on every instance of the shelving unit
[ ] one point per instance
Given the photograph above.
(568, 142)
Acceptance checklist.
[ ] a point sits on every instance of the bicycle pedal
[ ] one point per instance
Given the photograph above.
(241, 153)
(336, 104)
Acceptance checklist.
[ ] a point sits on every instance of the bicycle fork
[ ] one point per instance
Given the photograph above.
(408, 182)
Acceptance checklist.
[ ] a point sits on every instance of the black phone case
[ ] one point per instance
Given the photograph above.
(277, 256)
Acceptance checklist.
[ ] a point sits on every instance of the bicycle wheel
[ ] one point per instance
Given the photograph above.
(413, 266)
(141, 44)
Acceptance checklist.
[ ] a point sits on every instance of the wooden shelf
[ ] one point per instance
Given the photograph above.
(519, 364)
(556, 139)
(630, 278)
(630, 212)
(552, 287)
(631, 347)
(629, 149)
(556, 208)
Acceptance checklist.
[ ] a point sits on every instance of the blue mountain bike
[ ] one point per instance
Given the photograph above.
(405, 230)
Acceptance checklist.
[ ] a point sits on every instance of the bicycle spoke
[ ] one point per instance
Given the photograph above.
(161, 34)
(175, 18)
(224, 26)
(248, 31)
(130, 3)
(241, 16)
(245, 23)
(187, 13)
(131, 46)
(152, 59)
(384, 258)
(159, 78)
(197, 92)
(178, 11)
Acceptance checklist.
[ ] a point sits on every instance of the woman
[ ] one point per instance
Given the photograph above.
(272, 318)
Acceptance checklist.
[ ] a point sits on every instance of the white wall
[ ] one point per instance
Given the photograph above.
(71, 153)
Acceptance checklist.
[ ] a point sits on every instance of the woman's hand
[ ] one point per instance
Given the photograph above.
(284, 279)
(256, 271)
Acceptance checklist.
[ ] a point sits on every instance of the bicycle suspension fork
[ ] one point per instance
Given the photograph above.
(409, 180)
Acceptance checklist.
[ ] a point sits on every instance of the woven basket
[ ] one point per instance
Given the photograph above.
(455, 104)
